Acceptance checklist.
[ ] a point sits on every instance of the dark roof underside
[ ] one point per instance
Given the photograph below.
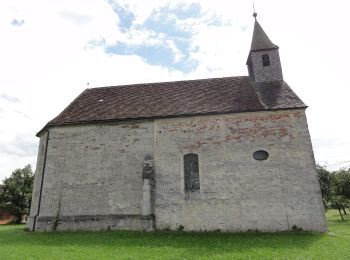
(179, 98)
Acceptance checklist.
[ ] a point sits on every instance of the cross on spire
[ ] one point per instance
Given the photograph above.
(254, 14)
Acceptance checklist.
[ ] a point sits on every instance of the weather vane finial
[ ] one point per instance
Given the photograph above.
(254, 14)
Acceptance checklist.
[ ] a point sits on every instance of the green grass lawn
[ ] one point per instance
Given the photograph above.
(18, 244)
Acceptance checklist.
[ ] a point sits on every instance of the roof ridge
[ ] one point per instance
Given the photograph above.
(166, 82)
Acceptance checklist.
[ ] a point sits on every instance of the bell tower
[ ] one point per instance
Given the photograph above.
(263, 61)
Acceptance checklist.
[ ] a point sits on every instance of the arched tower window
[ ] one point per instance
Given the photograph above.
(191, 170)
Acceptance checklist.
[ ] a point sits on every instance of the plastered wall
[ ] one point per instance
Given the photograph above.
(237, 192)
(93, 175)
(92, 170)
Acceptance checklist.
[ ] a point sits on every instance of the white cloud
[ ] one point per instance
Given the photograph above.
(45, 64)
(77, 18)
(47, 61)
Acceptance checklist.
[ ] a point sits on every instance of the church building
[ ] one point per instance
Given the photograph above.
(221, 154)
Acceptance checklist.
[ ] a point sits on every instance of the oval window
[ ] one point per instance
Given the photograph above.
(260, 155)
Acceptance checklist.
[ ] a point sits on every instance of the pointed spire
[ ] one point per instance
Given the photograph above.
(254, 14)
(260, 40)
(264, 64)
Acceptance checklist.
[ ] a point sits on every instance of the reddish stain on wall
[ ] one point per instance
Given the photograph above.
(246, 127)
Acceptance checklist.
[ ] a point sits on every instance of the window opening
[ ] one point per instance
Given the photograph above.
(266, 60)
(191, 170)
(260, 155)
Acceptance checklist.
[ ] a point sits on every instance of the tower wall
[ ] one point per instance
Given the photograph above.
(261, 73)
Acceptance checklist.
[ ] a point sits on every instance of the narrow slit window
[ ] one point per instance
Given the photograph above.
(191, 170)
(266, 60)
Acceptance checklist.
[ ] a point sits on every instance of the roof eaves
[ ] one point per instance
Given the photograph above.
(48, 125)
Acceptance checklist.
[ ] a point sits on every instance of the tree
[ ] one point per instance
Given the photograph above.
(324, 177)
(342, 178)
(338, 202)
(16, 193)
(335, 189)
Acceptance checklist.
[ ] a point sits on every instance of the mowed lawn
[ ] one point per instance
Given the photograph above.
(15, 243)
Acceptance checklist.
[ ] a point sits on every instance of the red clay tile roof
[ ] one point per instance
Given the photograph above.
(179, 98)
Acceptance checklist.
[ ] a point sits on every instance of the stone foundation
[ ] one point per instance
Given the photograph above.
(95, 222)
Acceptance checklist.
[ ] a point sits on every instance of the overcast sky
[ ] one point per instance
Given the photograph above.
(50, 51)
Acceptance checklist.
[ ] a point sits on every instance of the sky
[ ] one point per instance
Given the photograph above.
(50, 51)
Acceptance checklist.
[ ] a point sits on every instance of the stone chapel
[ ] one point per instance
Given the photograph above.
(230, 154)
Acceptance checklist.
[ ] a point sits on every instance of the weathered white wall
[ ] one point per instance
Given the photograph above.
(93, 177)
(237, 192)
(37, 180)
(93, 170)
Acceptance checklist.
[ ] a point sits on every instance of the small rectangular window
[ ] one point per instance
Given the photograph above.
(191, 170)
(266, 60)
